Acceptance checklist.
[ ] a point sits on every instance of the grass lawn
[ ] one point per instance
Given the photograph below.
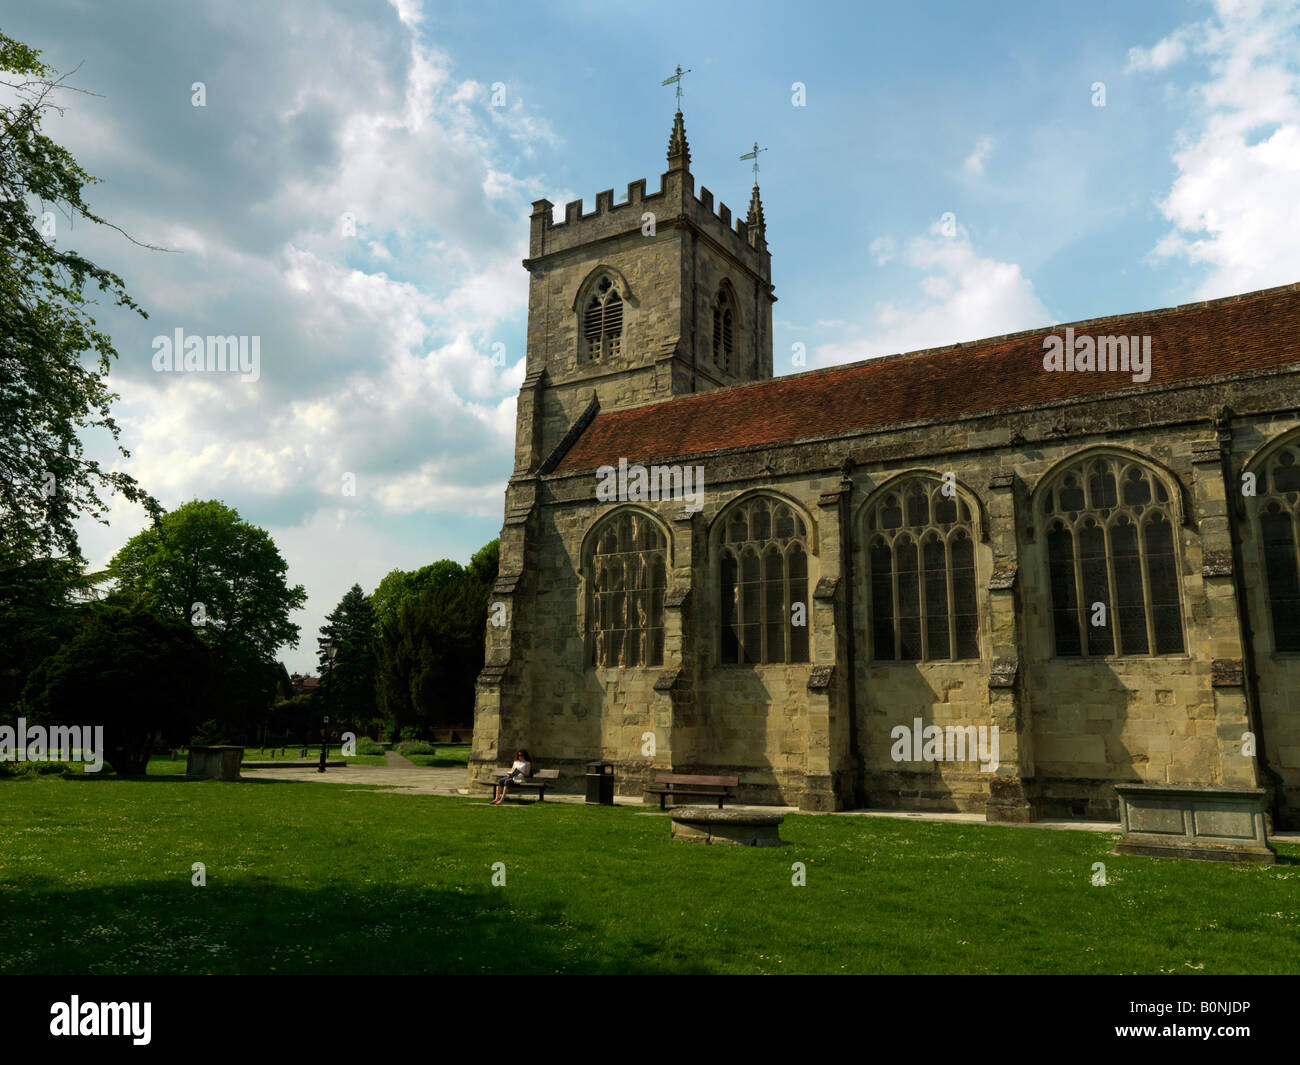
(313, 877)
(449, 756)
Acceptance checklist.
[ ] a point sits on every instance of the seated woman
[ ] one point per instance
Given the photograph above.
(520, 771)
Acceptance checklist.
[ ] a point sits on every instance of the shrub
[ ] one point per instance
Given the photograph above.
(209, 733)
(416, 747)
(410, 733)
(366, 745)
(42, 769)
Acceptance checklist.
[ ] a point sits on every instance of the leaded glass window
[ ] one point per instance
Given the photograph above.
(763, 590)
(1112, 560)
(1277, 510)
(628, 578)
(921, 574)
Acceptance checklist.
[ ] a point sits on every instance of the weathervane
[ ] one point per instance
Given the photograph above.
(676, 79)
(753, 155)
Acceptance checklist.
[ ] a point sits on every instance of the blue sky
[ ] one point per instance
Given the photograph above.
(376, 346)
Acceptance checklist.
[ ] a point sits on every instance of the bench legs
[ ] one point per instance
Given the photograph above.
(664, 796)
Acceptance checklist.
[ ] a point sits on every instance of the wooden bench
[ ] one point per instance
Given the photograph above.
(672, 785)
(539, 781)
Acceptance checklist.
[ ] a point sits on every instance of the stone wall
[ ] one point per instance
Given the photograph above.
(818, 734)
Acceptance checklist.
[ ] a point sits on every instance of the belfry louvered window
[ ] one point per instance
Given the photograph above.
(921, 572)
(602, 322)
(1112, 560)
(628, 576)
(764, 584)
(723, 333)
(1277, 508)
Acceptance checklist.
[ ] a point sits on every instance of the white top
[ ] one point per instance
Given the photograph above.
(521, 767)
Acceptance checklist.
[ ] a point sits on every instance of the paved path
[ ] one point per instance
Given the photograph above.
(410, 778)
(978, 819)
(404, 777)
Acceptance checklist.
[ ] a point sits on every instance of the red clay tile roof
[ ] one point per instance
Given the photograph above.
(1254, 331)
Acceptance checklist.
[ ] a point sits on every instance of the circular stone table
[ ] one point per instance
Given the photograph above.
(743, 828)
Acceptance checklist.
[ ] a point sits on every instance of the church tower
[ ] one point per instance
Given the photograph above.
(636, 302)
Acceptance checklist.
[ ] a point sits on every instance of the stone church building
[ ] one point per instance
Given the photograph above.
(1102, 563)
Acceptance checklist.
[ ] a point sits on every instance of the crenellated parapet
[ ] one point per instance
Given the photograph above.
(674, 203)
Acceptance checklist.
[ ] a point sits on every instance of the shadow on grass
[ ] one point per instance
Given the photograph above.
(262, 927)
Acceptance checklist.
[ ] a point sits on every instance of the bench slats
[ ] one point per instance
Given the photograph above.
(539, 781)
(541, 774)
(678, 785)
(688, 778)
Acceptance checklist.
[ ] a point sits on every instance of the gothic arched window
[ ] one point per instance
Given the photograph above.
(602, 322)
(724, 331)
(628, 575)
(1112, 560)
(921, 574)
(763, 590)
(1277, 509)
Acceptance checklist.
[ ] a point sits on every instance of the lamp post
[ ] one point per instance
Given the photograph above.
(331, 650)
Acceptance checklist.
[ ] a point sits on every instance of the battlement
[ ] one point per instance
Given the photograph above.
(740, 227)
(544, 213)
(674, 203)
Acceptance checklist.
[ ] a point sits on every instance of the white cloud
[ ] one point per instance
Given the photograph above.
(974, 163)
(1164, 53)
(377, 346)
(409, 11)
(883, 249)
(1234, 205)
(963, 296)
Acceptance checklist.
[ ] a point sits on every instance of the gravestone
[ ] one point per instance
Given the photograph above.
(741, 828)
(213, 763)
(1193, 821)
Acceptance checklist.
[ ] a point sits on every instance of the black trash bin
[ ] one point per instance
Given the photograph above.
(600, 783)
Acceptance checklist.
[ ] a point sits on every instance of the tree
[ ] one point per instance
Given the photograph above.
(399, 634)
(445, 667)
(483, 567)
(48, 392)
(398, 586)
(350, 676)
(430, 647)
(204, 565)
(37, 616)
(134, 672)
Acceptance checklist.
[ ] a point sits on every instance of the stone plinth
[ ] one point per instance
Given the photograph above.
(213, 763)
(742, 828)
(1193, 821)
